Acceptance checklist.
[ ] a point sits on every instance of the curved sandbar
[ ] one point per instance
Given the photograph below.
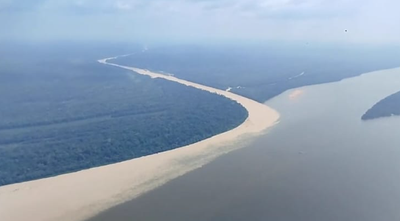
(80, 195)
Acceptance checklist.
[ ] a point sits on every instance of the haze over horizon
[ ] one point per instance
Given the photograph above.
(365, 22)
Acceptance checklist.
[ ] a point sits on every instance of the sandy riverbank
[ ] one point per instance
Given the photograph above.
(80, 195)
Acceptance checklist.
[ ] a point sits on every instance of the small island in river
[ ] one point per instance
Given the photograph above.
(387, 107)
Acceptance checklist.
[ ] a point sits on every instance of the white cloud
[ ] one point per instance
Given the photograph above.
(309, 20)
(123, 5)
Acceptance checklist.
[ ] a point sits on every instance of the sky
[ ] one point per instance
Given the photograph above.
(366, 21)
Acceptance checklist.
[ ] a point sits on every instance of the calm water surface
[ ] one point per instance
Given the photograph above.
(320, 163)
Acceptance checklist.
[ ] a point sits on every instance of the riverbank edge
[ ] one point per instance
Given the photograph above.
(82, 194)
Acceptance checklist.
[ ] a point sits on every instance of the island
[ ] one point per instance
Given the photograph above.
(389, 106)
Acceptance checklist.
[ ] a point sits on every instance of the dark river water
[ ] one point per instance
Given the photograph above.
(320, 163)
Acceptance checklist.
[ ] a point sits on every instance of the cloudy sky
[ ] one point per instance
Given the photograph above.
(367, 21)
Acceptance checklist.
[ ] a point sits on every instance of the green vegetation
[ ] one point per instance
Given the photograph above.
(59, 116)
(387, 107)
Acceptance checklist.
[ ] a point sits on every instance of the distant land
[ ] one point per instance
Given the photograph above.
(261, 72)
(387, 107)
(61, 113)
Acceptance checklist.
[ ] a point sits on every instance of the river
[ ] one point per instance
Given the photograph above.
(320, 163)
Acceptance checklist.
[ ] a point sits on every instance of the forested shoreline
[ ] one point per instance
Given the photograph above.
(261, 72)
(59, 117)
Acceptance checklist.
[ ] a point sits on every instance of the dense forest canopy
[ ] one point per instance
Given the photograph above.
(61, 115)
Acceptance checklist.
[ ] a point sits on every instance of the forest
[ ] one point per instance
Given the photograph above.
(60, 115)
